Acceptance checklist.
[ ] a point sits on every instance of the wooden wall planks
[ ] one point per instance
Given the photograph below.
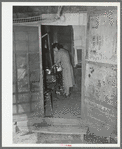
(26, 41)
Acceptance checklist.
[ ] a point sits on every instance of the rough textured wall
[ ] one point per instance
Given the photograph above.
(101, 94)
(101, 73)
(103, 37)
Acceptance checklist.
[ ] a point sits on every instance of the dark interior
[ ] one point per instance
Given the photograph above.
(53, 82)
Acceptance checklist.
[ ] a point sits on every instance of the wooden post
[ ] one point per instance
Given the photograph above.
(48, 38)
(41, 73)
(16, 78)
(83, 114)
(28, 69)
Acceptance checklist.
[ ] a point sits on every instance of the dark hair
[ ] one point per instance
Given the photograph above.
(57, 45)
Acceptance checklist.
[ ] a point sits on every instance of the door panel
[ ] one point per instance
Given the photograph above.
(27, 72)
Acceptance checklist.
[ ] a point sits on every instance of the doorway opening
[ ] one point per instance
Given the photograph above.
(55, 103)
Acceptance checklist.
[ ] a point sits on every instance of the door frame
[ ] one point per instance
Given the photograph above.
(58, 23)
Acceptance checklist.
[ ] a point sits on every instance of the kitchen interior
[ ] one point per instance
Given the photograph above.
(71, 38)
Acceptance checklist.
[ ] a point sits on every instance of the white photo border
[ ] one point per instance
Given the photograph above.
(7, 48)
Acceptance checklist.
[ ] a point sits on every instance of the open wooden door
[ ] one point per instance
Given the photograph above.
(100, 100)
(27, 45)
(27, 72)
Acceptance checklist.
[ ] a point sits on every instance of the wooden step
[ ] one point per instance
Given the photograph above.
(24, 121)
(57, 129)
(61, 130)
(53, 126)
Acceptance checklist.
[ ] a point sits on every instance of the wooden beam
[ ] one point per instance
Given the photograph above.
(61, 130)
(28, 71)
(50, 121)
(49, 47)
(41, 73)
(16, 78)
(83, 110)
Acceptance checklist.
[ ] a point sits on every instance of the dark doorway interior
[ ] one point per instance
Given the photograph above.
(61, 107)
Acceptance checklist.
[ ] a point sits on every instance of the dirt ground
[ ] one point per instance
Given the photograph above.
(65, 107)
(62, 108)
(33, 138)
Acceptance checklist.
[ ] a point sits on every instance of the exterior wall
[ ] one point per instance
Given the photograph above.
(103, 38)
(101, 73)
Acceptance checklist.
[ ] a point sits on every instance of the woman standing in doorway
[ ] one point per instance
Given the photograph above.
(61, 57)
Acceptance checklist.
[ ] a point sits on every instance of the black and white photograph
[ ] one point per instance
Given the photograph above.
(65, 81)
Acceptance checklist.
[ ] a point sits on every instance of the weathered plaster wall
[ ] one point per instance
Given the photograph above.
(101, 73)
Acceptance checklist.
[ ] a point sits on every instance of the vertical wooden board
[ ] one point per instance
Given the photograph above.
(33, 46)
(34, 66)
(23, 108)
(35, 106)
(34, 76)
(35, 86)
(21, 60)
(14, 87)
(14, 72)
(41, 74)
(23, 86)
(23, 98)
(21, 36)
(33, 58)
(21, 46)
(26, 40)
(22, 75)
(14, 46)
(35, 96)
(14, 109)
(33, 36)
(14, 99)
